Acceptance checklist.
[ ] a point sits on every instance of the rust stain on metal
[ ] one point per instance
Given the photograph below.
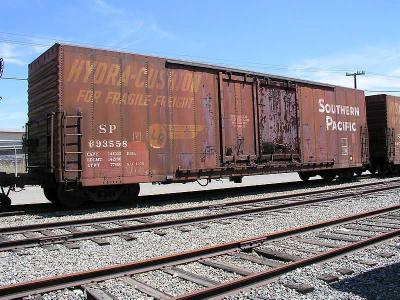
(383, 112)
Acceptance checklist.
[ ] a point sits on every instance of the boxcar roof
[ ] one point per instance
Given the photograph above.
(204, 66)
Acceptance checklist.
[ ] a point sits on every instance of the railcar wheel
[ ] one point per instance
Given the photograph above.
(304, 176)
(130, 193)
(5, 201)
(70, 198)
(51, 194)
(346, 175)
(328, 176)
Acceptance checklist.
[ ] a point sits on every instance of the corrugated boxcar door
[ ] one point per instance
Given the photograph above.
(238, 120)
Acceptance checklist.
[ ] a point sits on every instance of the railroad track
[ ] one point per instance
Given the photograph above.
(125, 226)
(21, 209)
(354, 232)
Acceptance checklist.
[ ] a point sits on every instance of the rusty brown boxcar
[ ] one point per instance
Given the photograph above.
(383, 118)
(101, 122)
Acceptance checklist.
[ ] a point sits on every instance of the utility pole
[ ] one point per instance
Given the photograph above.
(355, 76)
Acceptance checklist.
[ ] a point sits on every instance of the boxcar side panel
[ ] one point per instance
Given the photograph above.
(141, 120)
(306, 124)
(206, 125)
(159, 120)
(109, 91)
(193, 130)
(393, 123)
(238, 120)
(330, 123)
(351, 118)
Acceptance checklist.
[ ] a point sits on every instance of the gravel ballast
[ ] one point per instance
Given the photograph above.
(378, 282)
(38, 262)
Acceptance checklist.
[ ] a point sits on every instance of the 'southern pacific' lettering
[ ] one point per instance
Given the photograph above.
(336, 124)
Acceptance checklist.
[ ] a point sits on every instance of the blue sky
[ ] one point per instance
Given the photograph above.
(318, 40)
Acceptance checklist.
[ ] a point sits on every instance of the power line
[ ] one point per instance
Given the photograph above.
(228, 63)
(53, 40)
(383, 75)
(13, 78)
(383, 91)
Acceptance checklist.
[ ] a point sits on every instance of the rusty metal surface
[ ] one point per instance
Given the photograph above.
(393, 123)
(142, 121)
(238, 120)
(331, 123)
(43, 94)
(278, 121)
(124, 118)
(383, 113)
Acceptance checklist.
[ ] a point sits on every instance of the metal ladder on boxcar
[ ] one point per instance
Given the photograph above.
(364, 145)
(390, 145)
(72, 146)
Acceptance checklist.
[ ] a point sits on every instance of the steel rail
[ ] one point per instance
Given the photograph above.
(20, 209)
(84, 235)
(126, 217)
(48, 284)
(261, 278)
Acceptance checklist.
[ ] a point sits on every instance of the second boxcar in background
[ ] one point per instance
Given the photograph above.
(383, 116)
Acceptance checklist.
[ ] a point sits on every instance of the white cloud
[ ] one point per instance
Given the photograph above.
(382, 67)
(106, 8)
(129, 28)
(155, 27)
(10, 54)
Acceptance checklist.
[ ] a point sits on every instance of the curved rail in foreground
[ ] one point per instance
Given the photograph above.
(252, 280)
